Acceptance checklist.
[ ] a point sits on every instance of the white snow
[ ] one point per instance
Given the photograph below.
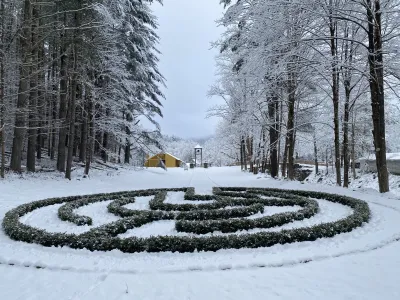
(46, 218)
(362, 264)
(141, 203)
(271, 210)
(165, 227)
(173, 156)
(177, 198)
(389, 156)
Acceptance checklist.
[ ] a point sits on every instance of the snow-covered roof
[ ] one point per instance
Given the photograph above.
(389, 156)
(173, 156)
(198, 147)
(157, 156)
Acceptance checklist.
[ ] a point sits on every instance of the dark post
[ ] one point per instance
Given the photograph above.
(198, 150)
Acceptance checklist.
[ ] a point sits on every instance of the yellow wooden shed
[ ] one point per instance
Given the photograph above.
(169, 160)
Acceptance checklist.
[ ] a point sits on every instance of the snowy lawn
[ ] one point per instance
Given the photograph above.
(361, 264)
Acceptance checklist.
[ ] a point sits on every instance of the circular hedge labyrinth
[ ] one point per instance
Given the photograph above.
(231, 218)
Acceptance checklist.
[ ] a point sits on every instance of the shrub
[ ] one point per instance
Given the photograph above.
(206, 216)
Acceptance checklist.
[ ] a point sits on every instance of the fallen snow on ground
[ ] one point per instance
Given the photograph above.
(362, 264)
(271, 210)
(141, 203)
(364, 182)
(389, 156)
(47, 218)
(177, 198)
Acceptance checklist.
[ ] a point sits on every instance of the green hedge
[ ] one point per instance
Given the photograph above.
(66, 211)
(205, 211)
(216, 214)
(191, 195)
(105, 238)
(310, 208)
(117, 206)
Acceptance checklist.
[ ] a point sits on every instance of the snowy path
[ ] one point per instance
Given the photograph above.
(365, 276)
(362, 264)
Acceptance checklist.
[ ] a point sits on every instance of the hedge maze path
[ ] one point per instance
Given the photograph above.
(226, 213)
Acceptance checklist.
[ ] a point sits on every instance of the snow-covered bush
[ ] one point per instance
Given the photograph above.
(223, 214)
(310, 208)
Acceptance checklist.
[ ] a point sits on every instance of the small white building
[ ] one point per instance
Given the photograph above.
(368, 163)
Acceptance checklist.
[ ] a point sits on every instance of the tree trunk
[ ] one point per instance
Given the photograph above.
(84, 131)
(244, 153)
(2, 86)
(375, 60)
(249, 144)
(77, 138)
(127, 152)
(90, 133)
(353, 147)
(62, 136)
(3, 149)
(98, 140)
(41, 94)
(285, 156)
(258, 156)
(327, 162)
(23, 90)
(53, 133)
(263, 157)
(105, 145)
(2, 130)
(290, 135)
(273, 136)
(2, 125)
(32, 131)
(71, 134)
(241, 154)
(347, 75)
(335, 91)
(72, 104)
(315, 153)
(127, 142)
(346, 138)
(49, 127)
(53, 101)
(280, 118)
(292, 142)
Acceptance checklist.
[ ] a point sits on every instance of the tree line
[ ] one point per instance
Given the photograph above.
(77, 79)
(308, 71)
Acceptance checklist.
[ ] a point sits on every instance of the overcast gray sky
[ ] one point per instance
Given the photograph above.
(186, 28)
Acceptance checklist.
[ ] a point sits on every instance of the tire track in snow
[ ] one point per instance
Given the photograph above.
(211, 178)
(191, 179)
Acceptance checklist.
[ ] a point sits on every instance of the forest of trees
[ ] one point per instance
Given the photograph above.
(76, 80)
(316, 71)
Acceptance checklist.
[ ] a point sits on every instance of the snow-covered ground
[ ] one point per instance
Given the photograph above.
(365, 182)
(362, 264)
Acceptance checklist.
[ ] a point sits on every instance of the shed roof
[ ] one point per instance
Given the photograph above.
(198, 147)
(173, 156)
(389, 156)
(166, 153)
